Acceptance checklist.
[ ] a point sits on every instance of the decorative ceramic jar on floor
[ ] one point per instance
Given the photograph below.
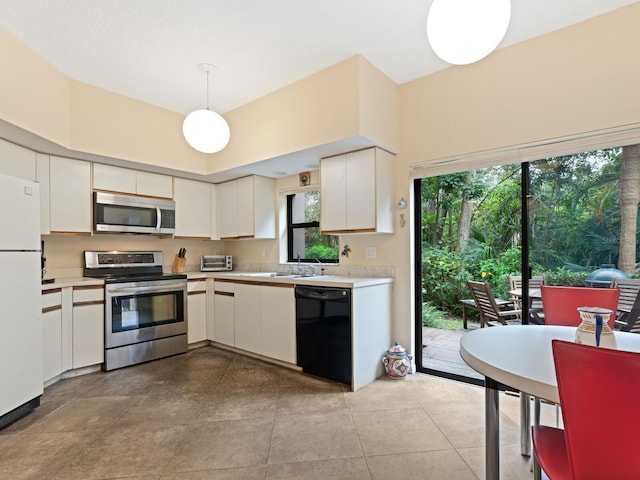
(397, 362)
(594, 329)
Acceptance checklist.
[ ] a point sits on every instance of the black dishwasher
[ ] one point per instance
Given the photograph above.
(323, 332)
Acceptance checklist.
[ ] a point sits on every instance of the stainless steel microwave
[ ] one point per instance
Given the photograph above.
(130, 214)
(216, 263)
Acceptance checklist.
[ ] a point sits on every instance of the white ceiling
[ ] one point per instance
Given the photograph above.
(150, 49)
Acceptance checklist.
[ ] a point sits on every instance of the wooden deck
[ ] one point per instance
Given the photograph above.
(441, 351)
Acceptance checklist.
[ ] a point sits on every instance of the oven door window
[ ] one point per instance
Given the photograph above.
(146, 310)
(126, 215)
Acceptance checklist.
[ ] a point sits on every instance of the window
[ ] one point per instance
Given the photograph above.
(304, 239)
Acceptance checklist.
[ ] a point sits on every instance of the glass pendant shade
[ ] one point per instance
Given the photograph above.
(461, 32)
(206, 131)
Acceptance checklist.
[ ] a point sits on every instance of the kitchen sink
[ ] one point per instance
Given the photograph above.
(274, 275)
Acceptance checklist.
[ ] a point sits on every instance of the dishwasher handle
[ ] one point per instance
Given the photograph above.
(323, 293)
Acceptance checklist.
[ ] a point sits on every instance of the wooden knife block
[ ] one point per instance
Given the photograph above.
(178, 264)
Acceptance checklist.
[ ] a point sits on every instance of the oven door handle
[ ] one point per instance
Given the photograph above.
(158, 218)
(141, 290)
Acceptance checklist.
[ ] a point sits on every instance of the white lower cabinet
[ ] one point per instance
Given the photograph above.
(279, 322)
(248, 308)
(88, 326)
(51, 333)
(196, 310)
(258, 318)
(224, 313)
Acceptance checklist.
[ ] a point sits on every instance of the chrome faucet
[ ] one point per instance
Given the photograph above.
(321, 267)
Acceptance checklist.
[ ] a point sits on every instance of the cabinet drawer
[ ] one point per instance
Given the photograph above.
(197, 285)
(51, 298)
(88, 294)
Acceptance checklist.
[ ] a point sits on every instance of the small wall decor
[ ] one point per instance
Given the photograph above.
(345, 251)
(403, 222)
(402, 204)
(305, 179)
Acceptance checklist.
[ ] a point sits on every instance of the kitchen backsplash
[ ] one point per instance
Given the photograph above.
(65, 255)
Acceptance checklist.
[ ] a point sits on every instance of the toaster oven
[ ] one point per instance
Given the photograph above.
(216, 263)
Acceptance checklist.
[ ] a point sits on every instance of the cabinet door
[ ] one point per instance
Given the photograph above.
(51, 334)
(227, 206)
(17, 161)
(70, 195)
(246, 219)
(154, 185)
(333, 198)
(264, 207)
(224, 312)
(52, 344)
(279, 323)
(193, 200)
(213, 210)
(248, 331)
(88, 326)
(42, 176)
(88, 335)
(197, 311)
(114, 179)
(361, 190)
(211, 306)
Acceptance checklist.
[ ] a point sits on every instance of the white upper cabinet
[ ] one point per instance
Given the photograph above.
(135, 182)
(17, 161)
(356, 192)
(42, 177)
(193, 208)
(69, 195)
(246, 208)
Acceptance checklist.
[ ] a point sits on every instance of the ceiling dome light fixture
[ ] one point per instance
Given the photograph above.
(206, 130)
(461, 32)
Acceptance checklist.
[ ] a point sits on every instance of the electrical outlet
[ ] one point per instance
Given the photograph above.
(371, 252)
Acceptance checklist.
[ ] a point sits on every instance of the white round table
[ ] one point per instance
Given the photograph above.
(518, 356)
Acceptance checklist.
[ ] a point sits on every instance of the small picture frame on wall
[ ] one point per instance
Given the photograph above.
(305, 179)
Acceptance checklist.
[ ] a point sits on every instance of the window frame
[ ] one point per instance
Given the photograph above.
(291, 226)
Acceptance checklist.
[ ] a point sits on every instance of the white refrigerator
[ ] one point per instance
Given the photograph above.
(20, 304)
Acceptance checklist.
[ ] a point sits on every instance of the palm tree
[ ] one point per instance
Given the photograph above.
(629, 199)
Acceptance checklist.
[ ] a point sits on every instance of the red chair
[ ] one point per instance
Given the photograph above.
(560, 304)
(600, 434)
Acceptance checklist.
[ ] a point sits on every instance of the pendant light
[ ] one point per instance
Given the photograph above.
(461, 32)
(206, 130)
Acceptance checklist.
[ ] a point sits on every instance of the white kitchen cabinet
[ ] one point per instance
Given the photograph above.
(248, 321)
(196, 310)
(213, 211)
(88, 325)
(135, 182)
(247, 208)
(278, 322)
(70, 195)
(260, 316)
(224, 312)
(227, 207)
(42, 177)
(211, 306)
(51, 333)
(193, 204)
(17, 161)
(356, 192)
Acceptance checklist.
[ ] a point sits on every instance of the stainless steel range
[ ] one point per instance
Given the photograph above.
(145, 310)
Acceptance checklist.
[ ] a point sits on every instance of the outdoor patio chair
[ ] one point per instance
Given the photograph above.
(629, 289)
(631, 320)
(490, 312)
(561, 304)
(599, 437)
(535, 304)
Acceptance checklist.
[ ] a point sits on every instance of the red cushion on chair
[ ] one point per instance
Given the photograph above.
(551, 452)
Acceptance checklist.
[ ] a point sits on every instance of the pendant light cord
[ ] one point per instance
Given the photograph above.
(208, 90)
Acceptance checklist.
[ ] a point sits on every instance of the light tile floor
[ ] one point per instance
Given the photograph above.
(213, 414)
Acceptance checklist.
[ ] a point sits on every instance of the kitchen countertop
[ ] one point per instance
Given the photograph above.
(345, 281)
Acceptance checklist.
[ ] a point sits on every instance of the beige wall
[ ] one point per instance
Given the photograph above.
(577, 80)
